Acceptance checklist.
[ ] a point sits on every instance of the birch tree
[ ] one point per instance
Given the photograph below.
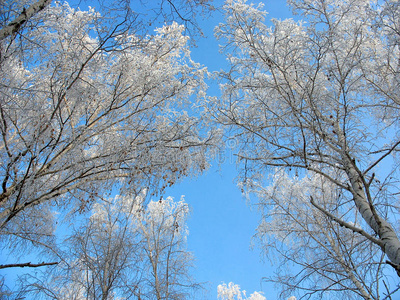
(127, 249)
(319, 98)
(326, 256)
(90, 105)
(166, 272)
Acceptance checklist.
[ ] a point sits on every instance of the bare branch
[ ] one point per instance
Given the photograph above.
(30, 265)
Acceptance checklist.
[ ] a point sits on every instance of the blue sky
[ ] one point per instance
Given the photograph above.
(222, 224)
(221, 228)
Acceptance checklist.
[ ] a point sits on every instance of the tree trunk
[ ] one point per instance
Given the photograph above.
(25, 15)
(386, 233)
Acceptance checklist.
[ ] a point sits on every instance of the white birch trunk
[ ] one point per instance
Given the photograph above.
(391, 243)
(25, 15)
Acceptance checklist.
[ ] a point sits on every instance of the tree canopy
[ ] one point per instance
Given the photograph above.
(102, 109)
(316, 102)
(93, 105)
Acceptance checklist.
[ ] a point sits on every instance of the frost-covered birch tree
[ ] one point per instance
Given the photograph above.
(317, 101)
(90, 104)
(325, 254)
(166, 262)
(127, 249)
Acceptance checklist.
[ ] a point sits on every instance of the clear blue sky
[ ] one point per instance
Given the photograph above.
(221, 227)
(222, 224)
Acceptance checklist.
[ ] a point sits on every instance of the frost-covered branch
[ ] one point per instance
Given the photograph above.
(347, 225)
(317, 99)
